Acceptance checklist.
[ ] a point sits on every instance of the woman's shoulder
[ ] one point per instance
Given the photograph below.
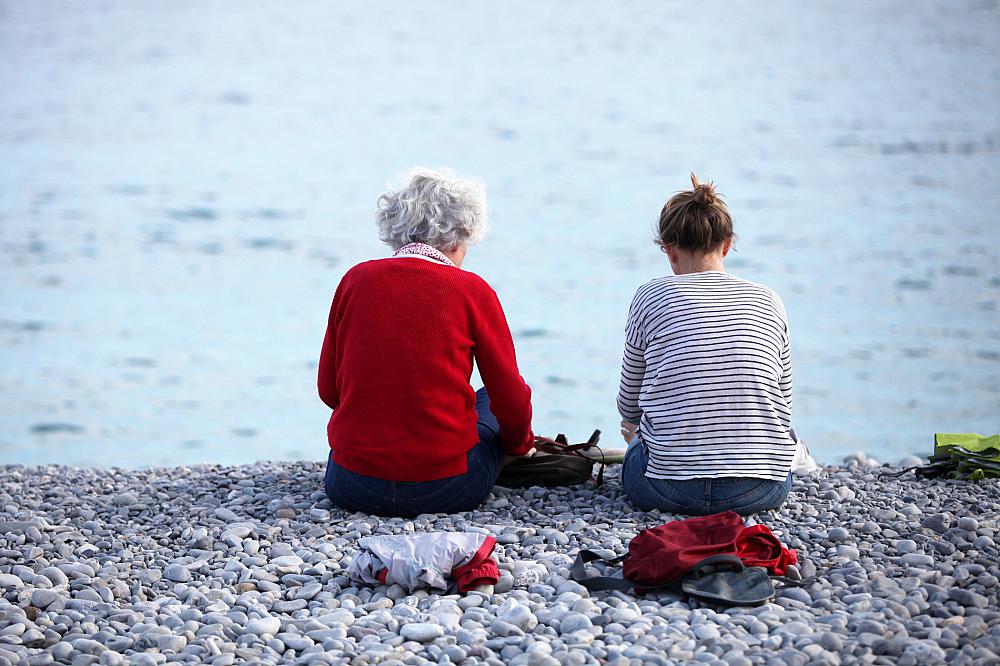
(762, 291)
(705, 283)
(413, 264)
(476, 288)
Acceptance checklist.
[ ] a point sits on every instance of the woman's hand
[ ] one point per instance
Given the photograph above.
(506, 459)
(628, 431)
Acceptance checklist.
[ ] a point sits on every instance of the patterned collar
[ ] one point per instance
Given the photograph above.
(423, 250)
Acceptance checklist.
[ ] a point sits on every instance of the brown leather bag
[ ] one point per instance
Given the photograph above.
(556, 463)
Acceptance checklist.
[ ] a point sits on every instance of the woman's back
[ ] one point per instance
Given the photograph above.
(396, 363)
(707, 374)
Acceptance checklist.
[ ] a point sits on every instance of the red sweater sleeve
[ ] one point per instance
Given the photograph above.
(510, 396)
(327, 380)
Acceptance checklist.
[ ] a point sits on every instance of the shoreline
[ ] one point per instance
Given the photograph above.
(221, 564)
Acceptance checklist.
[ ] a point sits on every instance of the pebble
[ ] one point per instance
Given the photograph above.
(421, 632)
(41, 598)
(838, 534)
(10, 581)
(227, 515)
(519, 615)
(177, 573)
(939, 522)
(968, 524)
(263, 625)
(968, 597)
(796, 593)
(342, 617)
(171, 643)
(917, 560)
(55, 575)
(575, 622)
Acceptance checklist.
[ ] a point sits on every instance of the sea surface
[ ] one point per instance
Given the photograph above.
(182, 185)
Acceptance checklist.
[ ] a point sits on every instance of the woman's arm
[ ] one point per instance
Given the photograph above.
(327, 374)
(633, 367)
(785, 383)
(510, 396)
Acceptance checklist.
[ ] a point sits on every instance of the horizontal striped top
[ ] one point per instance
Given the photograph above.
(707, 375)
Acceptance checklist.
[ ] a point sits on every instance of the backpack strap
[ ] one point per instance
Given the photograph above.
(578, 572)
(716, 562)
(561, 446)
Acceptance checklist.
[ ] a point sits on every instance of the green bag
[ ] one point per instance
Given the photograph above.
(973, 456)
(960, 456)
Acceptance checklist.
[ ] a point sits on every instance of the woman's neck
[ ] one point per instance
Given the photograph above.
(698, 264)
(457, 254)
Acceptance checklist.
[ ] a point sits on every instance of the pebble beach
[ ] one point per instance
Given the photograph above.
(239, 564)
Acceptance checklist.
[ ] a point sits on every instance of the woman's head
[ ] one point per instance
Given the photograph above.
(695, 220)
(436, 207)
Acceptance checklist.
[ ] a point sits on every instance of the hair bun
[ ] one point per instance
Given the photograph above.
(703, 193)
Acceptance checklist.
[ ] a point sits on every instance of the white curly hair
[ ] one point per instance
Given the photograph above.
(433, 206)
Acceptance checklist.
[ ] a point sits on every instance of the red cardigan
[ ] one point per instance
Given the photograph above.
(396, 365)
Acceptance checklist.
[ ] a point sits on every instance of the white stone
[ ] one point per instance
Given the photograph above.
(263, 625)
(421, 632)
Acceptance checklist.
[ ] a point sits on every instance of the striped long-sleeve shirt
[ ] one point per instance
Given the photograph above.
(707, 375)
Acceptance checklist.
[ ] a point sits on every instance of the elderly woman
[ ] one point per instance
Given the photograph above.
(408, 434)
(706, 385)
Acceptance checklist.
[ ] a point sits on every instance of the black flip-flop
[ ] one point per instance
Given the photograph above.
(723, 580)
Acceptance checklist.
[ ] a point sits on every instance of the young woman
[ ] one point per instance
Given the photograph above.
(706, 386)
(408, 434)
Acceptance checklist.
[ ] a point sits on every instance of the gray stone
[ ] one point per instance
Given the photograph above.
(421, 632)
(796, 593)
(264, 625)
(341, 617)
(968, 524)
(227, 515)
(55, 575)
(830, 641)
(939, 522)
(575, 622)
(125, 499)
(520, 616)
(42, 598)
(10, 581)
(177, 573)
(838, 535)
(967, 597)
(920, 560)
(171, 643)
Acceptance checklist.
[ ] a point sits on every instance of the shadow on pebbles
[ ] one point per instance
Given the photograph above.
(220, 565)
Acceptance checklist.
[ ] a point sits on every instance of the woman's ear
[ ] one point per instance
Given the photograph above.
(727, 246)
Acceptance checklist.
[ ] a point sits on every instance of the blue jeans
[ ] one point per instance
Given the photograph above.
(357, 492)
(698, 497)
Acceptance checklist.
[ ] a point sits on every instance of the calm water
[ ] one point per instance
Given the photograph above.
(182, 186)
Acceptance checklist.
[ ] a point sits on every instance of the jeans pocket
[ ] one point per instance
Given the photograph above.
(675, 498)
(647, 494)
(763, 496)
(739, 490)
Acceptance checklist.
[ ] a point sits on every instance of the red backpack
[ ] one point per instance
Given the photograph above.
(664, 555)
